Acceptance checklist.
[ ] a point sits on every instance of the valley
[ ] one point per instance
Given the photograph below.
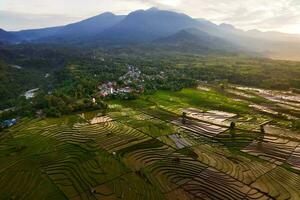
(143, 103)
(147, 149)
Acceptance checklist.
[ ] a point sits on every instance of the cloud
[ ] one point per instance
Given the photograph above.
(18, 21)
(282, 15)
(16, 14)
(76, 8)
(163, 3)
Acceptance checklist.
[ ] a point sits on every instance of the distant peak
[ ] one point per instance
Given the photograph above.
(107, 14)
(153, 9)
(141, 11)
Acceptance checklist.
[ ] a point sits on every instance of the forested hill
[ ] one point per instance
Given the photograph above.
(15, 80)
(28, 66)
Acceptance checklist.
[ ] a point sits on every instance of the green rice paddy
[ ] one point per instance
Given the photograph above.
(146, 151)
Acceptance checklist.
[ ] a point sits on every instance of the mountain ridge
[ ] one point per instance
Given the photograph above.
(147, 26)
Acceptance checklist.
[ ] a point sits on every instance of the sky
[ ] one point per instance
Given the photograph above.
(265, 15)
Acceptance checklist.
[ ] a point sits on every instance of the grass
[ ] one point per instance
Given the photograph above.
(289, 168)
(174, 101)
(212, 100)
(206, 100)
(57, 153)
(153, 127)
(188, 152)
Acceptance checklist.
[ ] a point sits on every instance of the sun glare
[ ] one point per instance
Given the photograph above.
(170, 2)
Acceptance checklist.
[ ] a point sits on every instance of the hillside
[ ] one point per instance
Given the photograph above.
(85, 28)
(14, 81)
(7, 36)
(196, 41)
(35, 34)
(147, 25)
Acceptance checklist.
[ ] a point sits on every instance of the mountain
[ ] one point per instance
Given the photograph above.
(35, 34)
(153, 25)
(184, 37)
(89, 27)
(148, 25)
(7, 36)
(270, 44)
(82, 29)
(196, 40)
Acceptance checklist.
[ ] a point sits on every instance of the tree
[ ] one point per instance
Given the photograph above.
(232, 125)
(261, 137)
(53, 112)
(262, 129)
(296, 124)
(184, 117)
(232, 129)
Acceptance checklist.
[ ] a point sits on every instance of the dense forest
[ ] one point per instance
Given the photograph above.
(14, 82)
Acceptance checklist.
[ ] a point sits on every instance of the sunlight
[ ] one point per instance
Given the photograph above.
(149, 99)
(170, 2)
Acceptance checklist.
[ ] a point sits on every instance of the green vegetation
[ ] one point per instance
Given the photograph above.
(77, 74)
(140, 149)
(14, 82)
(296, 124)
(185, 119)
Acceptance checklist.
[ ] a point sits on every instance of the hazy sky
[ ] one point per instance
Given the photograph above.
(277, 15)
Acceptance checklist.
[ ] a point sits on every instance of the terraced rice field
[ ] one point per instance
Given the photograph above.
(273, 149)
(148, 152)
(285, 103)
(212, 115)
(201, 128)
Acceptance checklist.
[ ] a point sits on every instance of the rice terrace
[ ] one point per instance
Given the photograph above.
(202, 143)
(149, 100)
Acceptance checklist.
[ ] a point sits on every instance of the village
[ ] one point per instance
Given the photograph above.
(126, 87)
(129, 83)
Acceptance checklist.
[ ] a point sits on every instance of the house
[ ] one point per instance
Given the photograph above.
(132, 77)
(107, 88)
(31, 93)
(133, 74)
(125, 90)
